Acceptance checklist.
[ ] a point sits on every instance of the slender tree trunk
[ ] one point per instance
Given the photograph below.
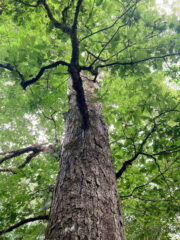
(85, 203)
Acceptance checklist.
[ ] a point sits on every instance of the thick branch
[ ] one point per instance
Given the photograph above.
(53, 150)
(80, 97)
(125, 165)
(74, 26)
(28, 159)
(74, 38)
(57, 24)
(8, 67)
(46, 217)
(25, 84)
(17, 152)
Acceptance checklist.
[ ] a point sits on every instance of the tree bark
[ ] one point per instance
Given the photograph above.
(85, 204)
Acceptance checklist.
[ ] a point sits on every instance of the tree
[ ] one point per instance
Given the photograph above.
(115, 54)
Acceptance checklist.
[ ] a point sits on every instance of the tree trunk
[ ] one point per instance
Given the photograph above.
(85, 204)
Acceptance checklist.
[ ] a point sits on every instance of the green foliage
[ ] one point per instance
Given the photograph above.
(149, 188)
(135, 98)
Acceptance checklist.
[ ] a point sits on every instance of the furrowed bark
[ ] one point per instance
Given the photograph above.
(85, 202)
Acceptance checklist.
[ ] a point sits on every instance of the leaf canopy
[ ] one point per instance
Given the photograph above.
(136, 49)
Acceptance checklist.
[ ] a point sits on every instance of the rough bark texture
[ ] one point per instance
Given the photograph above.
(85, 203)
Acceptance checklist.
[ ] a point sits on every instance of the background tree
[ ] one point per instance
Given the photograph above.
(130, 49)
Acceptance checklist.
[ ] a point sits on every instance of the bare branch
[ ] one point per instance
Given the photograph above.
(32, 219)
(168, 111)
(125, 165)
(122, 50)
(64, 13)
(168, 151)
(57, 24)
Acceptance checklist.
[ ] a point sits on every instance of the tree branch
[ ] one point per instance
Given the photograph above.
(51, 118)
(57, 24)
(159, 175)
(64, 28)
(45, 217)
(25, 84)
(129, 162)
(125, 165)
(28, 159)
(117, 30)
(53, 150)
(17, 152)
(8, 67)
(74, 38)
(64, 12)
(159, 169)
(138, 61)
(30, 5)
(152, 200)
(74, 26)
(112, 25)
(7, 170)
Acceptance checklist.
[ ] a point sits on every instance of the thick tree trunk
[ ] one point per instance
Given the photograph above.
(85, 202)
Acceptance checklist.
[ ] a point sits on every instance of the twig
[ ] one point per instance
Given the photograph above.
(112, 25)
(121, 26)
